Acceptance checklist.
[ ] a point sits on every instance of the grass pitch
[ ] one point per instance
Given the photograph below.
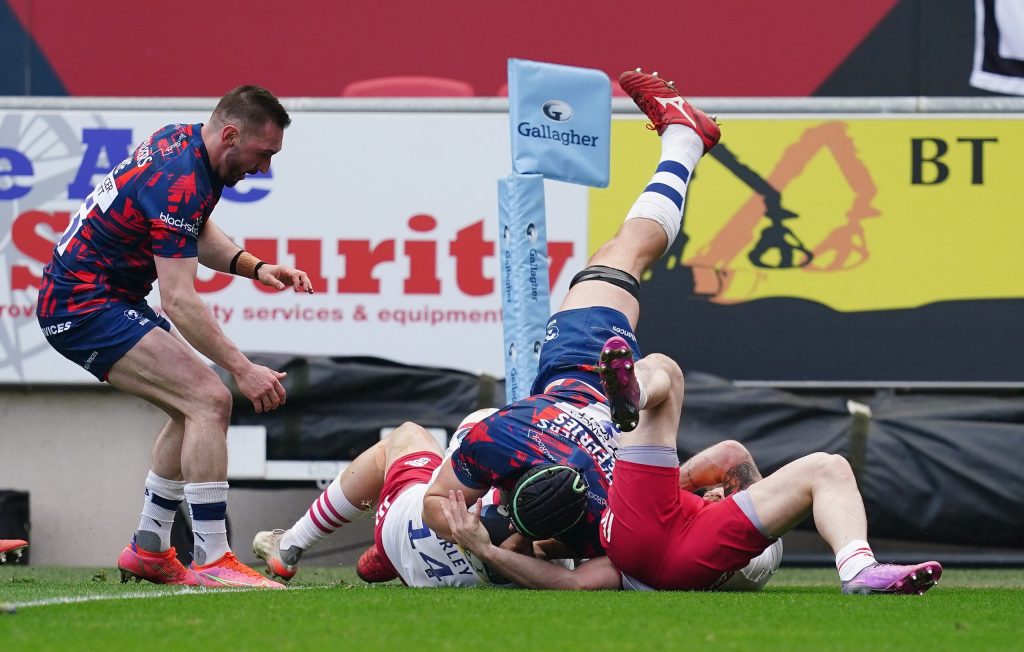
(329, 609)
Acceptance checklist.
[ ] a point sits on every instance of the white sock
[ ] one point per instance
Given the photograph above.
(161, 503)
(643, 395)
(665, 196)
(326, 514)
(853, 558)
(208, 506)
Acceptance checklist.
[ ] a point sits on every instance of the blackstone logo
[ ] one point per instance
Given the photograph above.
(557, 110)
(180, 223)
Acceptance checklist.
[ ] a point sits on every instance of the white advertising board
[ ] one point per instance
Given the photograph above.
(393, 215)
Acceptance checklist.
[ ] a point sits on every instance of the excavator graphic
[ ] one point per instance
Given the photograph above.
(777, 246)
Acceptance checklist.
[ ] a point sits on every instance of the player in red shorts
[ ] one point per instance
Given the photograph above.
(659, 536)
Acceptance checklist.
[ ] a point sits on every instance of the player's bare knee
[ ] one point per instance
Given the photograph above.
(211, 402)
(408, 438)
(221, 402)
(734, 452)
(672, 370)
(827, 467)
(664, 371)
(838, 467)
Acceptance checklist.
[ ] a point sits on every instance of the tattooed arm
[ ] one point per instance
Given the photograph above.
(727, 464)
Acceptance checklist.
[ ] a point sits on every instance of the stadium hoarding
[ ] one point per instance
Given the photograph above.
(817, 249)
(840, 250)
(393, 216)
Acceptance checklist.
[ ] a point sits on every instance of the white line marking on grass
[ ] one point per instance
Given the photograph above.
(11, 607)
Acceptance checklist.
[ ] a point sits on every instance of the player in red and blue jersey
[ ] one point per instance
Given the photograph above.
(149, 218)
(154, 204)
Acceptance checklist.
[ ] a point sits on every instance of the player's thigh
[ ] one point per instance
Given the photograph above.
(163, 370)
(783, 499)
(601, 293)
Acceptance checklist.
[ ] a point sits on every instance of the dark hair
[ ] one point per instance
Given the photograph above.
(547, 500)
(253, 106)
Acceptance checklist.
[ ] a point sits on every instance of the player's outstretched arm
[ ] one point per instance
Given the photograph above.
(437, 495)
(216, 251)
(470, 533)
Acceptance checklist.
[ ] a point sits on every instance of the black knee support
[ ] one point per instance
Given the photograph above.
(616, 277)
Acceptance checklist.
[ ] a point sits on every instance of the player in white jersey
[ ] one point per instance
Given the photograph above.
(393, 475)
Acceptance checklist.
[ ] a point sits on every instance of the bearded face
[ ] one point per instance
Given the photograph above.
(250, 152)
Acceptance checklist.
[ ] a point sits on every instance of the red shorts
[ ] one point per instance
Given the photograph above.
(672, 539)
(404, 472)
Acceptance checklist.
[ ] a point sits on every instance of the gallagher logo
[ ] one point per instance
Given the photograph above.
(557, 111)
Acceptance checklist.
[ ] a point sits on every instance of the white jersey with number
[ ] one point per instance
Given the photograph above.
(422, 558)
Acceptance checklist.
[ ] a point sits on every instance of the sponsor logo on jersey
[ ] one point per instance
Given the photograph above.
(180, 223)
(551, 334)
(418, 462)
(623, 332)
(105, 192)
(144, 155)
(54, 329)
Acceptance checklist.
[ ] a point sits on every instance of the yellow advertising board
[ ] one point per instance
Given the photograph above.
(854, 213)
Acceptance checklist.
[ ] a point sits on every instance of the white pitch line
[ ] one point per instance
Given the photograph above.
(11, 607)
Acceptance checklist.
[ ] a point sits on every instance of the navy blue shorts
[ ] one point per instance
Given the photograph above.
(573, 341)
(96, 340)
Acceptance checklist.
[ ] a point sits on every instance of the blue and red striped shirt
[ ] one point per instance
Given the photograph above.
(154, 203)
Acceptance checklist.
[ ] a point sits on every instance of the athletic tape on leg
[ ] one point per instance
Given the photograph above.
(525, 295)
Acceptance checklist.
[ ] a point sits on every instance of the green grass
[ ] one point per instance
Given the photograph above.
(802, 609)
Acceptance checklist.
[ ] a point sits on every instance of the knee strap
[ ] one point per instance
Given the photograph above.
(616, 277)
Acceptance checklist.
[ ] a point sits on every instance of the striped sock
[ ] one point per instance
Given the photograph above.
(208, 506)
(853, 558)
(163, 497)
(326, 514)
(664, 197)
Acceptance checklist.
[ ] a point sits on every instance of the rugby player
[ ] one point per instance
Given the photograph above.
(568, 421)
(658, 536)
(392, 475)
(149, 218)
